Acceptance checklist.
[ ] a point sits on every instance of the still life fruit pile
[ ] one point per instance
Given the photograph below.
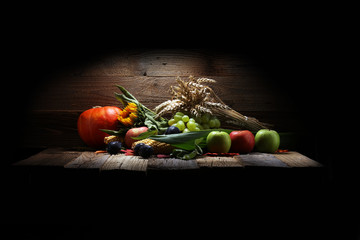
(192, 127)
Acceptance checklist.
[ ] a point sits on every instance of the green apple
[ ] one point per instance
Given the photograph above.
(267, 141)
(218, 142)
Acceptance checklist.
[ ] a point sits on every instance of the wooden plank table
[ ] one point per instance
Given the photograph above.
(103, 162)
(101, 186)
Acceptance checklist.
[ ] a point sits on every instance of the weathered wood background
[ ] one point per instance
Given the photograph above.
(241, 83)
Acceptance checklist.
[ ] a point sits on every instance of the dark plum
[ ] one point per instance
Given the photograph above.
(146, 151)
(137, 148)
(172, 130)
(113, 147)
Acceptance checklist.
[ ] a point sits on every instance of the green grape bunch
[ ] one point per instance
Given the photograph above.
(185, 122)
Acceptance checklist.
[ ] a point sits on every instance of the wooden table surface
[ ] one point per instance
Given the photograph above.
(60, 158)
(101, 186)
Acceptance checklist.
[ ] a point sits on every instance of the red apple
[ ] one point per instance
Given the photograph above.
(242, 141)
(133, 132)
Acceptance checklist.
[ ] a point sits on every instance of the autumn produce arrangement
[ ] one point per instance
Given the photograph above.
(185, 127)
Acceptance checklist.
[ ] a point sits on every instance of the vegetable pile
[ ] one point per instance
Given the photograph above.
(195, 123)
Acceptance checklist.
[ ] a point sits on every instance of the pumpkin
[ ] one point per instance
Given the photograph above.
(92, 120)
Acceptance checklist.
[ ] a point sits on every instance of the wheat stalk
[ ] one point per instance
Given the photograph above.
(193, 96)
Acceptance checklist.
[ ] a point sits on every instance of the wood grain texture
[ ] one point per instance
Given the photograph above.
(261, 160)
(242, 93)
(171, 164)
(163, 62)
(88, 160)
(219, 162)
(52, 157)
(106, 162)
(295, 159)
(122, 162)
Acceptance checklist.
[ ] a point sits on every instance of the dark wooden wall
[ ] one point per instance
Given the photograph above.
(242, 83)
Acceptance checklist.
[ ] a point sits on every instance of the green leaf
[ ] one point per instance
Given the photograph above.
(127, 93)
(119, 97)
(186, 145)
(188, 154)
(197, 145)
(124, 99)
(184, 137)
(178, 153)
(185, 140)
(146, 134)
(114, 132)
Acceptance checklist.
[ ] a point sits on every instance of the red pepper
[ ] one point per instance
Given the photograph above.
(282, 151)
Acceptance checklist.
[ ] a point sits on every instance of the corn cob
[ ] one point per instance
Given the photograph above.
(159, 147)
(113, 138)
